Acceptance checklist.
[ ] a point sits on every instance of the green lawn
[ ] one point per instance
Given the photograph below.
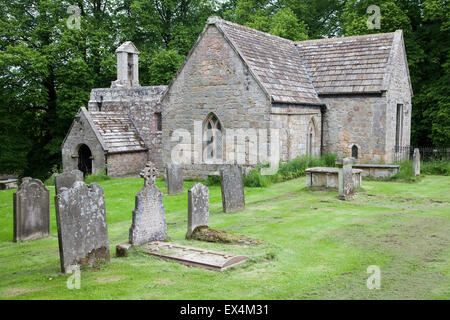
(315, 247)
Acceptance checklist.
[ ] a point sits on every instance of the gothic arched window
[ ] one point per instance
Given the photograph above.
(212, 133)
(310, 139)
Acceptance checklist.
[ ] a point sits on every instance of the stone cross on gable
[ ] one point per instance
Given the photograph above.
(149, 173)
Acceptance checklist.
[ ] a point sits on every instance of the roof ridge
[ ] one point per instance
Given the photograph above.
(345, 38)
(220, 20)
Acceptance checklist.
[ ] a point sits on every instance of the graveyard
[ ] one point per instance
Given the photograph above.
(309, 244)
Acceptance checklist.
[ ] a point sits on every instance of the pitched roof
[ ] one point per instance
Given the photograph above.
(355, 64)
(127, 46)
(117, 131)
(274, 62)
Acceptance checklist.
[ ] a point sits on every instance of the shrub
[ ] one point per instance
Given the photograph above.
(256, 179)
(289, 170)
(329, 159)
(436, 167)
(212, 180)
(405, 173)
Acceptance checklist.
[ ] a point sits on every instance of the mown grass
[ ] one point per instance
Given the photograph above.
(314, 246)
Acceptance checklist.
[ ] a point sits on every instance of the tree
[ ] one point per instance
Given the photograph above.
(164, 65)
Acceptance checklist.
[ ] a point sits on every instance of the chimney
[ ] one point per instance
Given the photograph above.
(127, 66)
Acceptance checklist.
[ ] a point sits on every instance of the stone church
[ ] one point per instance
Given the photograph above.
(350, 96)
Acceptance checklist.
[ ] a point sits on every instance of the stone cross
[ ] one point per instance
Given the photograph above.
(67, 179)
(232, 187)
(416, 162)
(149, 173)
(346, 184)
(198, 208)
(148, 222)
(174, 178)
(31, 210)
(82, 228)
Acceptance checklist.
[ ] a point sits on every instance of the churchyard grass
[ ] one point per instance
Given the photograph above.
(315, 246)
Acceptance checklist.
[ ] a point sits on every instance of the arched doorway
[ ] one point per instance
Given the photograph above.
(85, 160)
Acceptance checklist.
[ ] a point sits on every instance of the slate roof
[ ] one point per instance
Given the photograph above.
(274, 61)
(299, 72)
(355, 64)
(117, 131)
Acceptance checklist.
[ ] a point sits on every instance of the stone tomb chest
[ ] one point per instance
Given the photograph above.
(328, 177)
(377, 170)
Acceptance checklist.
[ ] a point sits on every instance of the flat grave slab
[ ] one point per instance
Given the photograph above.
(8, 184)
(194, 257)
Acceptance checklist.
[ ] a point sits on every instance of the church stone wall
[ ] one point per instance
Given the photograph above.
(126, 164)
(398, 93)
(82, 133)
(213, 80)
(356, 120)
(294, 123)
(141, 103)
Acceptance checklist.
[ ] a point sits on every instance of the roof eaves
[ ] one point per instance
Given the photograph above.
(94, 128)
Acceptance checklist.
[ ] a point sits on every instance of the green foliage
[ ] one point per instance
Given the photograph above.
(289, 170)
(255, 179)
(405, 174)
(283, 23)
(102, 176)
(437, 167)
(164, 65)
(212, 180)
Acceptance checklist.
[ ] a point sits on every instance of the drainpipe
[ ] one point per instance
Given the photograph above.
(323, 109)
(106, 163)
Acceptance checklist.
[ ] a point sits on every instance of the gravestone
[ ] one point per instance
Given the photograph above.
(346, 184)
(416, 163)
(174, 178)
(232, 186)
(198, 208)
(67, 179)
(148, 223)
(31, 210)
(82, 228)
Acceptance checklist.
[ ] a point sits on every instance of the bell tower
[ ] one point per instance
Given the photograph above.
(127, 66)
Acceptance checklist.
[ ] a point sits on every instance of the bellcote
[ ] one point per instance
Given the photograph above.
(127, 66)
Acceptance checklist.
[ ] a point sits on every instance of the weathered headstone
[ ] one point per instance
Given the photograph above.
(416, 162)
(346, 184)
(148, 223)
(67, 179)
(232, 185)
(31, 210)
(174, 178)
(198, 208)
(82, 228)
